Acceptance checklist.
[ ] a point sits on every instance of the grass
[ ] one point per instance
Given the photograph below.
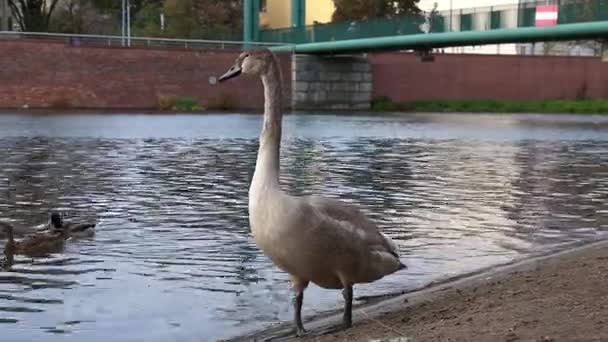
(580, 106)
(180, 104)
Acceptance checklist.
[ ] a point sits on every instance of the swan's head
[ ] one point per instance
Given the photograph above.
(252, 62)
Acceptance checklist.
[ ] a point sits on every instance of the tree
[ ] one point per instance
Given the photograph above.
(33, 15)
(219, 19)
(367, 9)
(147, 21)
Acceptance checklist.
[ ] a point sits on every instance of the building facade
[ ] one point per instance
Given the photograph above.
(275, 14)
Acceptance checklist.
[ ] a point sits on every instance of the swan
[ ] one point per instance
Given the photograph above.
(313, 239)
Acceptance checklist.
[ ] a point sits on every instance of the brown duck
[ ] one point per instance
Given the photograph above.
(40, 244)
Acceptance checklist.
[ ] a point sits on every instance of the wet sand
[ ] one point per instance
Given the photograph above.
(562, 297)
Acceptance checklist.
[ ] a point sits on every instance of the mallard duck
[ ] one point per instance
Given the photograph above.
(72, 229)
(39, 244)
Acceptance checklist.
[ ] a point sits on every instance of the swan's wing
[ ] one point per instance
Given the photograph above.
(353, 223)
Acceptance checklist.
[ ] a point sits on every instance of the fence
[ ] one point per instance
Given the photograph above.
(136, 42)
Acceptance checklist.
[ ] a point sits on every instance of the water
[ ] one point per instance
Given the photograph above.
(173, 259)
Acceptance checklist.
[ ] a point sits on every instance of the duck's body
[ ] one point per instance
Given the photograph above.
(81, 230)
(39, 244)
(314, 239)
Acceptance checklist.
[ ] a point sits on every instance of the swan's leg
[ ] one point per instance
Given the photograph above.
(348, 305)
(299, 286)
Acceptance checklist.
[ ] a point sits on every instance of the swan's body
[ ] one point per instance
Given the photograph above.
(314, 239)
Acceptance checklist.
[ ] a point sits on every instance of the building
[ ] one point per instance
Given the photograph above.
(6, 19)
(276, 14)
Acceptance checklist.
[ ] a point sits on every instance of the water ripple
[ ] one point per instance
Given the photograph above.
(173, 245)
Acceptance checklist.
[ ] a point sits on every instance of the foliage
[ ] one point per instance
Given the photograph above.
(578, 106)
(33, 15)
(166, 102)
(186, 104)
(196, 19)
(367, 9)
(223, 101)
(147, 21)
(180, 104)
(384, 104)
(76, 16)
(203, 19)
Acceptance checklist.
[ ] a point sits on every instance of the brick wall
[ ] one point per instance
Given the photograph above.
(40, 74)
(404, 78)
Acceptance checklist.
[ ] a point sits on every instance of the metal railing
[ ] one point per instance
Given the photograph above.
(515, 15)
(134, 42)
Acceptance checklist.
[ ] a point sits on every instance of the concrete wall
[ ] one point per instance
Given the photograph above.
(332, 82)
(39, 74)
(404, 78)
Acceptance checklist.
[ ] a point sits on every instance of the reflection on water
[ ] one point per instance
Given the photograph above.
(173, 258)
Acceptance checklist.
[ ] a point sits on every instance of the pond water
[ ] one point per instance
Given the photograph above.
(173, 259)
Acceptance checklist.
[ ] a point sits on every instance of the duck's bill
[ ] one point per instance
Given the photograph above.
(231, 73)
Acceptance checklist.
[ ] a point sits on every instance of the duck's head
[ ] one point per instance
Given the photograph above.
(56, 220)
(255, 62)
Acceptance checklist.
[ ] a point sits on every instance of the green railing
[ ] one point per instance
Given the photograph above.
(570, 11)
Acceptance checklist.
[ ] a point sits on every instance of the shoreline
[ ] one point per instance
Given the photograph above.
(377, 108)
(478, 306)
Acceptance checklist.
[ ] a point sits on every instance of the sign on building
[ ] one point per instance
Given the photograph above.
(546, 15)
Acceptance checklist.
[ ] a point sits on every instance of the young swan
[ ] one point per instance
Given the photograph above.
(314, 239)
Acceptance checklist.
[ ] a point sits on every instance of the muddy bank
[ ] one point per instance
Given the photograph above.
(562, 297)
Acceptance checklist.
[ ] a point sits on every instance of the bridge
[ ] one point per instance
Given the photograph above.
(331, 54)
(576, 20)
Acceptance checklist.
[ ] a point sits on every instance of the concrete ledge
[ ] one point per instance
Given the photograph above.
(331, 82)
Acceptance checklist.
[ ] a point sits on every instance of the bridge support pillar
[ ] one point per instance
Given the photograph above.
(331, 82)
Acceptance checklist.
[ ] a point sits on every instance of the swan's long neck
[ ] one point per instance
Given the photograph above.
(266, 175)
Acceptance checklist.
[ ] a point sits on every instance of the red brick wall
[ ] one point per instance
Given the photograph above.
(41, 73)
(404, 78)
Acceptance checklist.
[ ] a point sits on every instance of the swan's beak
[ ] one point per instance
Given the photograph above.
(234, 71)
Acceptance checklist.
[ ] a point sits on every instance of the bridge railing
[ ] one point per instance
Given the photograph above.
(132, 42)
(522, 14)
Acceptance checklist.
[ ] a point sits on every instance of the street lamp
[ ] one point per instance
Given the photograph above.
(126, 22)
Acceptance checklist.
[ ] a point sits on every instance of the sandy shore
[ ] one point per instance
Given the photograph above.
(563, 297)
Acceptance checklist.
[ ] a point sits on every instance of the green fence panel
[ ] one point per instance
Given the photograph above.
(495, 20)
(466, 22)
(526, 16)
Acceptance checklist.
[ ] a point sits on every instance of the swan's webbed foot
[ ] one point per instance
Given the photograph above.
(301, 332)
